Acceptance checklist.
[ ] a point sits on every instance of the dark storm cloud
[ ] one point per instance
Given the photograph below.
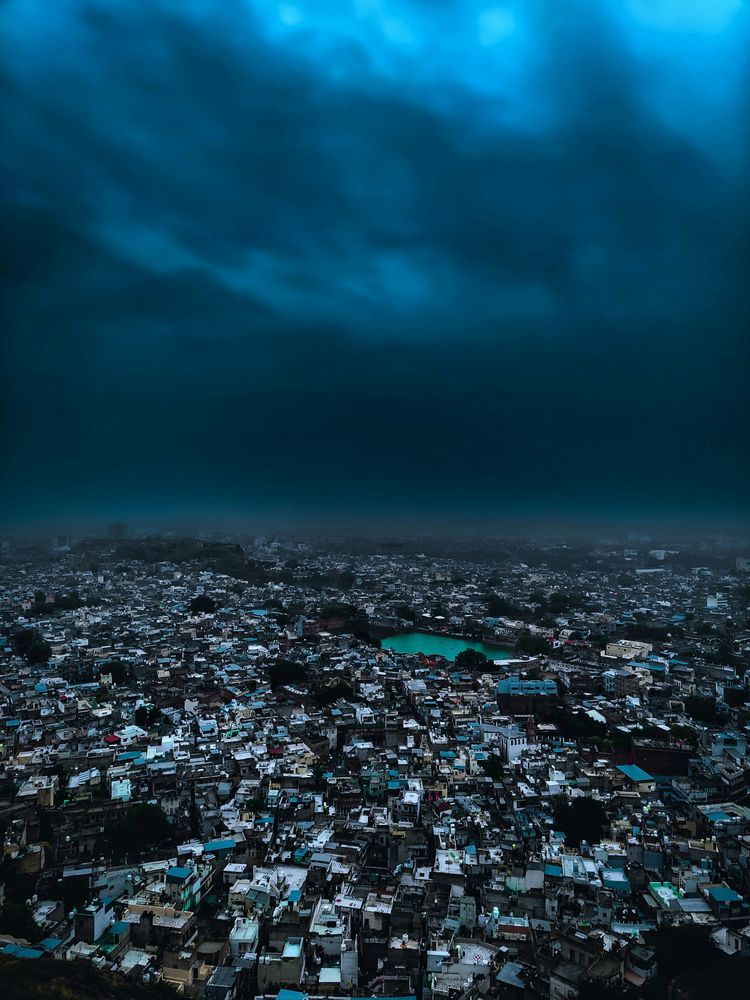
(271, 253)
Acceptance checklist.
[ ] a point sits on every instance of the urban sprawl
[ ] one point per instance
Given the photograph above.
(244, 768)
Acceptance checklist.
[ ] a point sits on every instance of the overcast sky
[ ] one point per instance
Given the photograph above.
(375, 256)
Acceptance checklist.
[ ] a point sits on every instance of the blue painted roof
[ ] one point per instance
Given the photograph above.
(516, 685)
(290, 995)
(634, 772)
(21, 951)
(723, 894)
(178, 873)
(717, 816)
(219, 845)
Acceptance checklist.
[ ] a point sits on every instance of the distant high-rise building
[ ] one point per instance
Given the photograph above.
(717, 602)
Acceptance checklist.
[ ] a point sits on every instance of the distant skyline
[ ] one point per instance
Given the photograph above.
(375, 258)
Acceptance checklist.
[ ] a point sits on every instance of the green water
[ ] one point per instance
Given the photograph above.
(444, 645)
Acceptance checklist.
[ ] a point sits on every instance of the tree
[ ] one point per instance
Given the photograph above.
(338, 611)
(146, 716)
(29, 643)
(285, 672)
(471, 659)
(499, 607)
(703, 709)
(533, 644)
(143, 826)
(597, 989)
(69, 602)
(17, 920)
(8, 788)
(405, 611)
(690, 966)
(645, 632)
(492, 767)
(735, 696)
(582, 819)
(19, 885)
(75, 892)
(49, 979)
(38, 651)
(598, 640)
(202, 605)
(686, 733)
(577, 725)
(118, 670)
(327, 694)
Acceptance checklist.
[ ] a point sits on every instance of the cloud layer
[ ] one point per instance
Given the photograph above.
(368, 256)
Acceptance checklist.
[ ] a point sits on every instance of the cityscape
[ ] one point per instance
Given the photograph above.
(375, 500)
(282, 767)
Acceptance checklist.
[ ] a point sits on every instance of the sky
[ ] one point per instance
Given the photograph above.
(369, 257)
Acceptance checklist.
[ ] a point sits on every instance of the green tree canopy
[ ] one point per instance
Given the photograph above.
(17, 920)
(285, 672)
(492, 767)
(202, 605)
(583, 818)
(690, 966)
(143, 826)
(500, 607)
(703, 710)
(471, 659)
(38, 651)
(327, 694)
(338, 611)
(535, 645)
(406, 611)
(119, 671)
(146, 716)
(29, 643)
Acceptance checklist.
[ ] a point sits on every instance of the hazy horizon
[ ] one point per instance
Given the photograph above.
(309, 527)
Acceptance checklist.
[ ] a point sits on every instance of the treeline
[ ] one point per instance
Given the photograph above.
(29, 643)
(41, 607)
(48, 979)
(284, 672)
(229, 559)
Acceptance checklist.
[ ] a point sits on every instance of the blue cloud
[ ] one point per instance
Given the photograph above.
(313, 249)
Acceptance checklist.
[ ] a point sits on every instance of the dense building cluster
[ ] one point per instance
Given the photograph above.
(218, 776)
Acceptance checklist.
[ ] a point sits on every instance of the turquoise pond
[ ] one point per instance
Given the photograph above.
(443, 645)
